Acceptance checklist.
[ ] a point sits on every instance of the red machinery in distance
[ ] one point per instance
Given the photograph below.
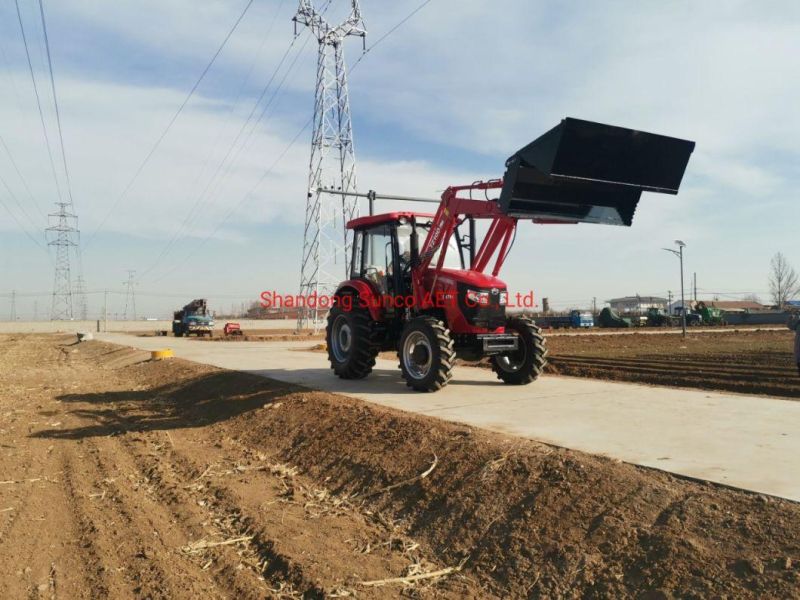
(578, 172)
(232, 329)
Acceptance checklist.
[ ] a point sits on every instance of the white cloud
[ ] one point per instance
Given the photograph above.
(478, 81)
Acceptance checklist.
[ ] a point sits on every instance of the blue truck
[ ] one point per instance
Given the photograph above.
(193, 319)
(576, 319)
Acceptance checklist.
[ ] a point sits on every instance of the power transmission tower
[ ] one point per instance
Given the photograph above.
(63, 236)
(130, 295)
(326, 241)
(80, 299)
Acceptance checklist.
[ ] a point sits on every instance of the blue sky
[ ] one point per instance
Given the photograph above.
(444, 100)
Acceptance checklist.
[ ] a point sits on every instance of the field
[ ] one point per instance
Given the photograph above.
(125, 477)
(757, 362)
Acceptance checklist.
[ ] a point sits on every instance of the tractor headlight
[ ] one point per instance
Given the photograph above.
(477, 298)
(503, 298)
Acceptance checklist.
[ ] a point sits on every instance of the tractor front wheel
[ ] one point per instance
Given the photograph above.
(525, 364)
(427, 354)
(352, 344)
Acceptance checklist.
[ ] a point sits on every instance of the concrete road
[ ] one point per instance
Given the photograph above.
(750, 442)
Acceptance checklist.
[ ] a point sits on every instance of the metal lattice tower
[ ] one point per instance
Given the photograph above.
(326, 241)
(130, 295)
(63, 236)
(79, 292)
(81, 306)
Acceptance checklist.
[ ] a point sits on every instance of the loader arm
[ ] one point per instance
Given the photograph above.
(452, 210)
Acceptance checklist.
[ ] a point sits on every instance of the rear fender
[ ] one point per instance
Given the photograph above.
(365, 294)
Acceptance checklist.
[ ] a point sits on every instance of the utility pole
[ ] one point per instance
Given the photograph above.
(326, 241)
(13, 305)
(105, 310)
(594, 305)
(130, 295)
(695, 287)
(679, 254)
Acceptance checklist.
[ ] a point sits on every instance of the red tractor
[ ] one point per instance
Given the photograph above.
(419, 282)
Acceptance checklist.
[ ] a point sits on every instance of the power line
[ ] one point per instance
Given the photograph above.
(286, 150)
(17, 202)
(203, 200)
(389, 32)
(202, 196)
(22, 178)
(55, 103)
(38, 100)
(166, 130)
(22, 227)
(227, 169)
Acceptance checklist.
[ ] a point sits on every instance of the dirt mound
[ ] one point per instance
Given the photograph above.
(125, 477)
(534, 520)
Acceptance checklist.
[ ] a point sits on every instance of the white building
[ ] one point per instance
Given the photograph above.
(636, 304)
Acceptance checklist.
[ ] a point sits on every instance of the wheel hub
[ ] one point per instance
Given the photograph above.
(417, 355)
(513, 361)
(341, 339)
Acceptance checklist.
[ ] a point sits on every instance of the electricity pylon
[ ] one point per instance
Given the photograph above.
(130, 295)
(326, 241)
(63, 236)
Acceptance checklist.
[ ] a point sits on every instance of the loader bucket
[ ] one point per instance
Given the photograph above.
(585, 172)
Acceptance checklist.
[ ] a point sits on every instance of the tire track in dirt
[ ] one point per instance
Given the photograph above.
(98, 579)
(161, 572)
(200, 522)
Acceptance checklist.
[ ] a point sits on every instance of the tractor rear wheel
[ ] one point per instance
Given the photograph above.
(427, 354)
(524, 365)
(352, 342)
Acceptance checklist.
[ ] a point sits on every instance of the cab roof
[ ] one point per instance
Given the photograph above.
(391, 217)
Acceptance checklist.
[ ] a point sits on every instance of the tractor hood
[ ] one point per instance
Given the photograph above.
(472, 279)
(586, 172)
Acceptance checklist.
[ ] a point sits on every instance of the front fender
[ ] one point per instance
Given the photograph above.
(367, 296)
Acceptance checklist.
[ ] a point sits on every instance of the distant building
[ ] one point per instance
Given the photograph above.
(636, 304)
(737, 305)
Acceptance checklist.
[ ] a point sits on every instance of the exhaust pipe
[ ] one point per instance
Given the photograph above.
(586, 172)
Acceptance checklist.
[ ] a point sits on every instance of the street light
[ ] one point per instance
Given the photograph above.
(679, 254)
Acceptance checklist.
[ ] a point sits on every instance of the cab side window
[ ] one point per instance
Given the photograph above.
(374, 254)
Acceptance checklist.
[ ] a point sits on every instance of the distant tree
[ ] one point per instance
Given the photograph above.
(783, 281)
(752, 298)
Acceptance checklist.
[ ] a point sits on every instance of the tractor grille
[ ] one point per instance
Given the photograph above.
(489, 317)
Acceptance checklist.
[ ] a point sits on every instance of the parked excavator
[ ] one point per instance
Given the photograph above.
(419, 282)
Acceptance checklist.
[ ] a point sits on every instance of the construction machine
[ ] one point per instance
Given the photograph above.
(658, 317)
(709, 315)
(425, 286)
(193, 319)
(610, 318)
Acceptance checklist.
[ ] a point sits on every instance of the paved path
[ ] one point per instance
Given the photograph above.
(751, 442)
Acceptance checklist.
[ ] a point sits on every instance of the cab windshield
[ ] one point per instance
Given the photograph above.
(452, 258)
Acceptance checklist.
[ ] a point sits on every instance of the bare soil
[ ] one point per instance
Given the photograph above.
(125, 477)
(756, 362)
(748, 362)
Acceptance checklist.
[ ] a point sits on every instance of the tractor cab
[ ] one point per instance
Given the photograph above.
(385, 245)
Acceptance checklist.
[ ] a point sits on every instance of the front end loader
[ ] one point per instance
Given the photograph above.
(425, 286)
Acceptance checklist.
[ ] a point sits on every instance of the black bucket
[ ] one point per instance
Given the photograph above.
(585, 172)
